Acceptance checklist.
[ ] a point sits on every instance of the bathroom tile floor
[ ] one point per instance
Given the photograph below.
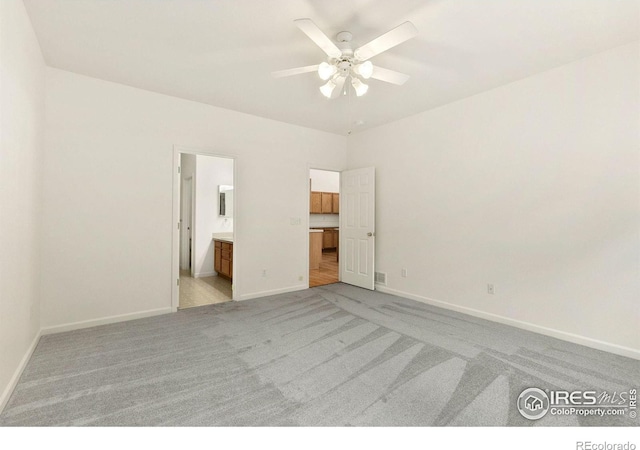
(203, 291)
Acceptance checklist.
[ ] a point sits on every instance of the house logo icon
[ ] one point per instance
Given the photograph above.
(533, 403)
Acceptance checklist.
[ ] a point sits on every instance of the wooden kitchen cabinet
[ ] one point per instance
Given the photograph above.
(316, 203)
(315, 250)
(324, 202)
(330, 238)
(335, 206)
(327, 203)
(223, 259)
(327, 239)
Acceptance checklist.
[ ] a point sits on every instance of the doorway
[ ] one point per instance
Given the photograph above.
(324, 227)
(205, 207)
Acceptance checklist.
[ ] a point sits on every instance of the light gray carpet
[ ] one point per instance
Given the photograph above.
(334, 355)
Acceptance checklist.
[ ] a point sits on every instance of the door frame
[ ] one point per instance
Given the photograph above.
(308, 219)
(175, 234)
(185, 253)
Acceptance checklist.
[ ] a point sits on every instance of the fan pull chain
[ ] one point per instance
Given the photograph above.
(349, 111)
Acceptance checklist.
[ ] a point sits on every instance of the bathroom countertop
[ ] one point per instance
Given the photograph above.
(224, 237)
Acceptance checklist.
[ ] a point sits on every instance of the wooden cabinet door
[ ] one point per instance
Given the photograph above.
(327, 239)
(226, 268)
(330, 239)
(223, 259)
(315, 250)
(336, 203)
(217, 264)
(327, 202)
(217, 256)
(316, 203)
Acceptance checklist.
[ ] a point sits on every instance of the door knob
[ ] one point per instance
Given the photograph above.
(369, 234)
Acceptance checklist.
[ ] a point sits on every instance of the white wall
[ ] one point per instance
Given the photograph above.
(108, 196)
(324, 220)
(324, 181)
(533, 187)
(22, 83)
(211, 172)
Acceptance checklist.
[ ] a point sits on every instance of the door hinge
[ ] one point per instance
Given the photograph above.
(178, 169)
(178, 282)
(178, 225)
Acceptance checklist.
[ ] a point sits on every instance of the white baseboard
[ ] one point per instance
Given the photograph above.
(6, 395)
(272, 292)
(105, 320)
(562, 335)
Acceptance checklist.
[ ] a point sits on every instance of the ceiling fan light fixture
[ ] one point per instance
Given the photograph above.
(344, 63)
(327, 88)
(359, 87)
(326, 70)
(365, 70)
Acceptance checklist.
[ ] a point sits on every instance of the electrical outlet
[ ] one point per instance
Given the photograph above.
(300, 278)
(264, 272)
(490, 289)
(404, 273)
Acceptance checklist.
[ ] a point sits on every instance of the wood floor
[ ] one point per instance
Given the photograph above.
(328, 272)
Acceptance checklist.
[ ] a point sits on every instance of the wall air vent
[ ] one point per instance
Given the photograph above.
(381, 278)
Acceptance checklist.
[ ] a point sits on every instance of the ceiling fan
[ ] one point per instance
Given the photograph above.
(344, 63)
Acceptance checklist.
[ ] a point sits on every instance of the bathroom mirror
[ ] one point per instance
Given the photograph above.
(226, 201)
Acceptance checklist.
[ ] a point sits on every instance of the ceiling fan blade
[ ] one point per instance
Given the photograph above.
(390, 76)
(390, 39)
(337, 92)
(316, 35)
(295, 71)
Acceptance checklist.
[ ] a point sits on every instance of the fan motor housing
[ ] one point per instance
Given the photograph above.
(343, 42)
(344, 36)
(344, 66)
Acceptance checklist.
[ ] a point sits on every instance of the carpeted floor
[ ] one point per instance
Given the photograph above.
(333, 355)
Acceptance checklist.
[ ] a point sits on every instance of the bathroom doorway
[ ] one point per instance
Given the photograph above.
(204, 256)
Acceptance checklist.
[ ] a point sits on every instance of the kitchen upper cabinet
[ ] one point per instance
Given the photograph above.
(316, 202)
(324, 203)
(327, 203)
(335, 204)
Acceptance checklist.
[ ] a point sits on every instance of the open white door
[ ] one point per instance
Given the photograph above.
(357, 227)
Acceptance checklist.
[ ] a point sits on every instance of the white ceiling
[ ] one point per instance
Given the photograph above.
(222, 52)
